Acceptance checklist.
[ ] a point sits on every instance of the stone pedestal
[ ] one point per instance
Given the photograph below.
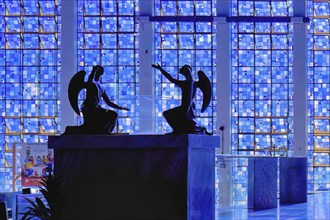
(136, 176)
(293, 180)
(262, 183)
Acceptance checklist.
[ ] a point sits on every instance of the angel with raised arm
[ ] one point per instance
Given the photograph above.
(97, 120)
(182, 119)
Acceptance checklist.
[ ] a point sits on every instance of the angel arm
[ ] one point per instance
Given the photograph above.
(166, 74)
(111, 104)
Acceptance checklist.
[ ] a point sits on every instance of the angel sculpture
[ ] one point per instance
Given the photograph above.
(97, 120)
(182, 119)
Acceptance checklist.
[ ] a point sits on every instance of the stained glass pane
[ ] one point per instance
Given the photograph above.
(318, 94)
(30, 55)
(180, 43)
(107, 33)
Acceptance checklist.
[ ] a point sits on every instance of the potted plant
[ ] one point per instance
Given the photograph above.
(48, 206)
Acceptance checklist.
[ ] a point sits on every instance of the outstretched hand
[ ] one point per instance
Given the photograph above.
(124, 108)
(156, 66)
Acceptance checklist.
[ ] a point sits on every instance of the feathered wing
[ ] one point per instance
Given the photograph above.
(77, 83)
(205, 85)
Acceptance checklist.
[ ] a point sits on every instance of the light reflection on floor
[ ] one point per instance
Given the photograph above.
(317, 207)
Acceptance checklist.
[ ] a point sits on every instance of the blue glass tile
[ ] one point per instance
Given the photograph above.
(263, 141)
(246, 108)
(14, 7)
(246, 125)
(280, 108)
(92, 24)
(30, 125)
(109, 40)
(126, 41)
(321, 8)
(203, 8)
(321, 25)
(92, 41)
(48, 74)
(203, 58)
(263, 108)
(186, 8)
(91, 57)
(14, 41)
(186, 57)
(127, 74)
(31, 108)
(262, 8)
(109, 58)
(169, 41)
(280, 58)
(245, 8)
(13, 125)
(246, 141)
(31, 41)
(281, 8)
(48, 7)
(246, 91)
(246, 41)
(126, 7)
(109, 7)
(48, 24)
(321, 57)
(12, 75)
(126, 57)
(262, 58)
(12, 90)
(49, 57)
(2, 43)
(48, 41)
(168, 8)
(91, 7)
(31, 24)
(246, 58)
(30, 90)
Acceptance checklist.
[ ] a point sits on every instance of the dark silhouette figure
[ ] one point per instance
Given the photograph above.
(97, 120)
(182, 119)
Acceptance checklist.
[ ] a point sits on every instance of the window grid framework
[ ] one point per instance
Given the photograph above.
(30, 84)
(108, 36)
(262, 84)
(178, 43)
(319, 95)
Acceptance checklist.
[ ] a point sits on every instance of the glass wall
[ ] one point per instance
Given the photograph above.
(184, 33)
(319, 95)
(30, 82)
(108, 36)
(189, 41)
(262, 83)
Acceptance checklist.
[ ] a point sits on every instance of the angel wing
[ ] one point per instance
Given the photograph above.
(77, 83)
(205, 85)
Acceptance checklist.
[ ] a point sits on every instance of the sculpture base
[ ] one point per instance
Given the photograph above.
(136, 176)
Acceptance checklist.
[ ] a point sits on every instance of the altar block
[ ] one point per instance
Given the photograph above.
(293, 180)
(136, 176)
(262, 183)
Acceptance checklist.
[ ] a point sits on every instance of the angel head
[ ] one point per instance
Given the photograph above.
(99, 70)
(186, 71)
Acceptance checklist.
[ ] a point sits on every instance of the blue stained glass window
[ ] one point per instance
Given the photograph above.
(180, 43)
(262, 83)
(107, 35)
(27, 35)
(318, 94)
